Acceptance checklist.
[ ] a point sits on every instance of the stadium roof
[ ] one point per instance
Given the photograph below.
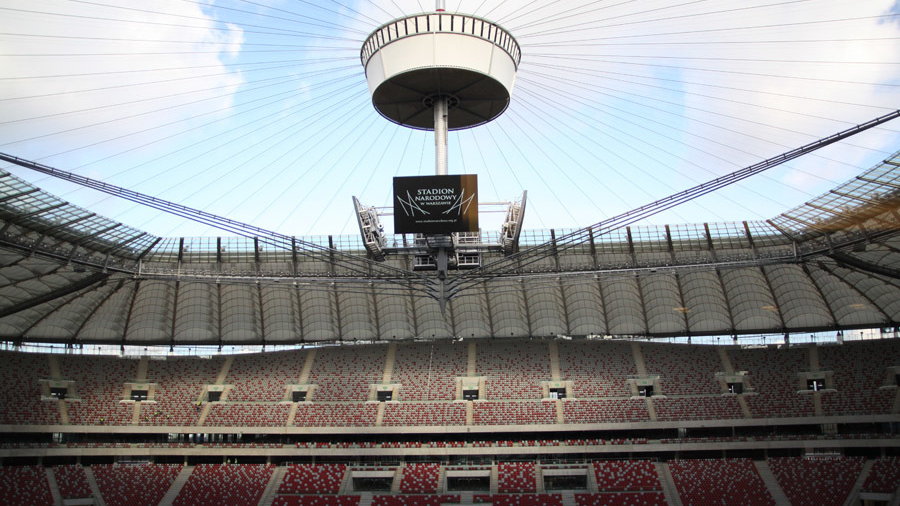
(70, 275)
(237, 112)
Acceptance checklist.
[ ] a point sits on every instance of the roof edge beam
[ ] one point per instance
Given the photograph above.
(858, 263)
(81, 284)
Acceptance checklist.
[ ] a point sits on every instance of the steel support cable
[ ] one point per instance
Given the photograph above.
(245, 151)
(538, 146)
(292, 13)
(190, 67)
(706, 42)
(476, 9)
(325, 24)
(174, 25)
(527, 160)
(521, 11)
(616, 134)
(316, 140)
(487, 14)
(155, 53)
(164, 81)
(358, 265)
(402, 13)
(287, 78)
(155, 41)
(518, 261)
(560, 16)
(350, 173)
(548, 18)
(580, 15)
(721, 71)
(588, 43)
(602, 73)
(705, 138)
(702, 137)
(351, 9)
(325, 132)
(288, 92)
(644, 99)
(624, 143)
(311, 4)
(707, 30)
(218, 137)
(388, 14)
(707, 58)
(144, 130)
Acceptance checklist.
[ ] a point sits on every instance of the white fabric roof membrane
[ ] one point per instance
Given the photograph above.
(68, 275)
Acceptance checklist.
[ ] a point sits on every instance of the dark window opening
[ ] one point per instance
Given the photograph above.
(557, 393)
(213, 396)
(473, 483)
(578, 482)
(139, 395)
(372, 484)
(645, 390)
(298, 396)
(59, 392)
(470, 395)
(897, 379)
(736, 388)
(385, 395)
(815, 384)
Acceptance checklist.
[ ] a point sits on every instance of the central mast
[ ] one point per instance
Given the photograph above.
(439, 71)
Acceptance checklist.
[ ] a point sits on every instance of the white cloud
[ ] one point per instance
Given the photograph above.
(150, 60)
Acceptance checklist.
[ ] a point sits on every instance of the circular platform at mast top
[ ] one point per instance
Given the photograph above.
(413, 61)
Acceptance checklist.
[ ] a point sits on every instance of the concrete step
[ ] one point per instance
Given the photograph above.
(860, 481)
(54, 487)
(95, 489)
(271, 489)
(668, 484)
(765, 472)
(177, 485)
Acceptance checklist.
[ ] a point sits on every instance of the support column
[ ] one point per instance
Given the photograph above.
(441, 106)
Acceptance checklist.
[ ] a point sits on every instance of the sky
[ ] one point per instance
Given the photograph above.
(259, 110)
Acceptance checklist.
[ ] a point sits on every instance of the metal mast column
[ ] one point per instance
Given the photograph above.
(441, 108)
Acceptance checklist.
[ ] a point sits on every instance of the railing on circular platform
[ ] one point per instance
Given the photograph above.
(442, 22)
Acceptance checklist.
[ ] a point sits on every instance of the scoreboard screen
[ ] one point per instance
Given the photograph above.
(436, 204)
